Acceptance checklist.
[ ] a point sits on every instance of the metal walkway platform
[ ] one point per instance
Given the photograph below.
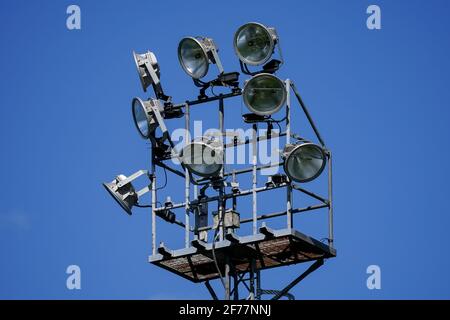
(269, 248)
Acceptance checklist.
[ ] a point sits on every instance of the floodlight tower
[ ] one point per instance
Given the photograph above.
(237, 260)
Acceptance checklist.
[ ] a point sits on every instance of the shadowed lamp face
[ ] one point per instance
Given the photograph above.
(144, 117)
(264, 94)
(140, 61)
(140, 118)
(203, 159)
(125, 196)
(253, 44)
(193, 58)
(305, 162)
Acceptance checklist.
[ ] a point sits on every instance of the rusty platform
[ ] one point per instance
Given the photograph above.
(269, 248)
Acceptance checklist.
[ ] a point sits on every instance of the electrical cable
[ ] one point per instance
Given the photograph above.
(165, 183)
(214, 256)
(143, 205)
(220, 224)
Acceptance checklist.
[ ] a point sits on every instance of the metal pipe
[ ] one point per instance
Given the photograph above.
(222, 198)
(305, 110)
(222, 188)
(254, 179)
(311, 269)
(281, 213)
(210, 99)
(227, 278)
(187, 183)
(258, 285)
(275, 214)
(247, 170)
(330, 200)
(288, 111)
(288, 140)
(225, 196)
(260, 138)
(233, 197)
(154, 200)
(252, 279)
(195, 197)
(175, 171)
(173, 206)
(211, 290)
(289, 218)
(311, 194)
(235, 286)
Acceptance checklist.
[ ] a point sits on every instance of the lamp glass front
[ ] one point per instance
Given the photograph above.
(264, 94)
(140, 118)
(253, 44)
(305, 162)
(193, 58)
(203, 159)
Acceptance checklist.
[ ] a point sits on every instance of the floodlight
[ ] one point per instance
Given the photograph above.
(149, 73)
(304, 162)
(254, 43)
(122, 190)
(144, 117)
(195, 54)
(203, 157)
(264, 94)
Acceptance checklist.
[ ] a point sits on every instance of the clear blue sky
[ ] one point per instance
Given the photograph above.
(380, 98)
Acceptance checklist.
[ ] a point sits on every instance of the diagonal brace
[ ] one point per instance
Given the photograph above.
(311, 269)
(211, 290)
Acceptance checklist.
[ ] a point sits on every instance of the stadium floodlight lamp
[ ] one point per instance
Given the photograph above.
(203, 157)
(144, 116)
(196, 53)
(149, 73)
(123, 191)
(254, 44)
(264, 94)
(303, 162)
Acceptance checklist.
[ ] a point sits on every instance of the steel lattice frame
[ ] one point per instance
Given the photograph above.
(192, 246)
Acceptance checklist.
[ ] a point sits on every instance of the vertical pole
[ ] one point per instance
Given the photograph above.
(221, 189)
(254, 162)
(195, 197)
(234, 198)
(252, 279)
(288, 111)
(290, 221)
(221, 196)
(227, 278)
(187, 180)
(330, 201)
(235, 285)
(154, 200)
(258, 285)
(288, 140)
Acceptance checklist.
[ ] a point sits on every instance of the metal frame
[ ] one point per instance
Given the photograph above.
(227, 234)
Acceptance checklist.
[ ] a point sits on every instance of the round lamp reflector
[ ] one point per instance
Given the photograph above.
(125, 196)
(264, 94)
(143, 116)
(254, 43)
(193, 57)
(203, 158)
(305, 162)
